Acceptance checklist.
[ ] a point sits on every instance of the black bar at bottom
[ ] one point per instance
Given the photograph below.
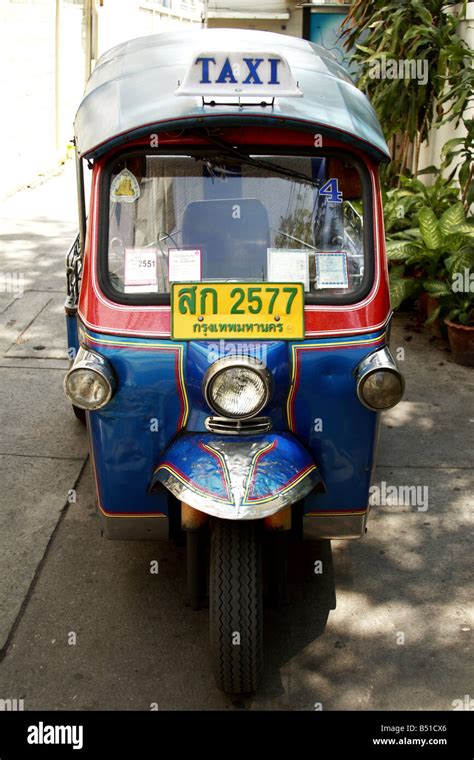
(133, 734)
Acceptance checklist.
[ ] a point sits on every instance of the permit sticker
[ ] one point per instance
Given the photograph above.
(140, 270)
(184, 264)
(331, 270)
(288, 265)
(124, 188)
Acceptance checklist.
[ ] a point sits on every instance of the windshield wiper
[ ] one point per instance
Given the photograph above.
(261, 163)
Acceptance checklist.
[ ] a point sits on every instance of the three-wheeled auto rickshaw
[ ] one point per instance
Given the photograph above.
(228, 309)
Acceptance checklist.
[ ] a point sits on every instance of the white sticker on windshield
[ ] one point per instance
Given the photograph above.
(184, 264)
(288, 265)
(331, 270)
(140, 269)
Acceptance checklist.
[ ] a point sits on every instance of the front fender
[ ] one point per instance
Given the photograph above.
(247, 479)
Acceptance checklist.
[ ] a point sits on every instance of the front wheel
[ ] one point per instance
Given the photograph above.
(80, 414)
(236, 605)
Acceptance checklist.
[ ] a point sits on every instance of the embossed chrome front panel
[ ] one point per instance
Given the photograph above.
(237, 480)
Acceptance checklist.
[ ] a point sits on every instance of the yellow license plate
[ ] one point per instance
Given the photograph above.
(230, 310)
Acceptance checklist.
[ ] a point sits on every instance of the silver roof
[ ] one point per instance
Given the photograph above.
(132, 91)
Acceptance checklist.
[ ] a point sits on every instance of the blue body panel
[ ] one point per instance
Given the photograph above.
(159, 395)
(200, 354)
(72, 339)
(325, 412)
(129, 434)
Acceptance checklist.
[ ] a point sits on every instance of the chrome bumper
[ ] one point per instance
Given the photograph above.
(343, 526)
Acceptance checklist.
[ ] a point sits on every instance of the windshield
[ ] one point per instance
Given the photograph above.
(224, 217)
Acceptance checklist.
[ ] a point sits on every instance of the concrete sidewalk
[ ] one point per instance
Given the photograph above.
(387, 626)
(42, 450)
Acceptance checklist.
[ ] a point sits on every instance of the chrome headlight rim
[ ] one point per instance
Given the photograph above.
(95, 363)
(241, 362)
(380, 360)
(363, 380)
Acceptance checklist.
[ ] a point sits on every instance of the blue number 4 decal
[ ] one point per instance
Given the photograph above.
(331, 191)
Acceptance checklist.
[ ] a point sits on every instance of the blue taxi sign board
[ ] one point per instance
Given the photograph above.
(257, 74)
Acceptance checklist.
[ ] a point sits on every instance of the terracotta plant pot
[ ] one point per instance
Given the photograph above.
(426, 306)
(461, 341)
(422, 303)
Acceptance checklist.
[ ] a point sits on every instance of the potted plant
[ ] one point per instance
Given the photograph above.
(455, 294)
(401, 209)
(460, 335)
(402, 205)
(437, 258)
(458, 311)
(422, 249)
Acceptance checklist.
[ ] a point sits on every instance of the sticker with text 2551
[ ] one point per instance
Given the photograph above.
(140, 266)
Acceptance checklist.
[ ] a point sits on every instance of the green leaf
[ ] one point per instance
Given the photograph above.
(414, 184)
(456, 242)
(396, 270)
(470, 196)
(409, 235)
(459, 261)
(414, 31)
(464, 172)
(434, 315)
(451, 219)
(428, 170)
(401, 251)
(450, 144)
(429, 228)
(401, 289)
(465, 229)
(424, 13)
(437, 288)
(454, 313)
(365, 50)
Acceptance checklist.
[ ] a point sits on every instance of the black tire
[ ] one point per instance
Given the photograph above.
(80, 414)
(236, 605)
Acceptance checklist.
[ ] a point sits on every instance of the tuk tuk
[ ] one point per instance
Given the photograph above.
(228, 310)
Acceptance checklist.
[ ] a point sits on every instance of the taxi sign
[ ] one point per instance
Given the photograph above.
(239, 73)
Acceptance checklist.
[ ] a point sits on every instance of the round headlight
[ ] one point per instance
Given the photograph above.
(87, 389)
(237, 388)
(381, 389)
(90, 382)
